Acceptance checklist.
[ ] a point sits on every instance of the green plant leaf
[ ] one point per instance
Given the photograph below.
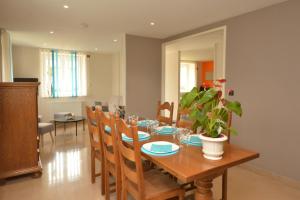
(208, 95)
(223, 113)
(188, 99)
(235, 107)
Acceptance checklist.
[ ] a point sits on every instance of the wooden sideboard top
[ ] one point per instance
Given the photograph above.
(19, 84)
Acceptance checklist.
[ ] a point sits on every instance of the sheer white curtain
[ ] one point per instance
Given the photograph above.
(63, 73)
(188, 73)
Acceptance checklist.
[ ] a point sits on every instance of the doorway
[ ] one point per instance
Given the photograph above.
(193, 61)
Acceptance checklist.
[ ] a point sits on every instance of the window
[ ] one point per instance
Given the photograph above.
(187, 76)
(63, 73)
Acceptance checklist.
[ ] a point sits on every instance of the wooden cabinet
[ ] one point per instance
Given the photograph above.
(19, 145)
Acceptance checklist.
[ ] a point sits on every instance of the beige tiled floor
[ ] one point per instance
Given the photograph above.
(66, 175)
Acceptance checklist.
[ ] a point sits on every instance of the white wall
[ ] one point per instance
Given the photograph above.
(171, 79)
(6, 57)
(198, 55)
(219, 71)
(100, 69)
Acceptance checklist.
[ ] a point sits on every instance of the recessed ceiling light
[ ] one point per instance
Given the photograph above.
(152, 23)
(115, 40)
(66, 6)
(51, 32)
(96, 49)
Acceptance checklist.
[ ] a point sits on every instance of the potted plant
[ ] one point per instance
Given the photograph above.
(210, 112)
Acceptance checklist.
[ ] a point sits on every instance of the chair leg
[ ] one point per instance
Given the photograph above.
(51, 137)
(224, 185)
(107, 188)
(93, 168)
(124, 193)
(181, 195)
(42, 137)
(118, 187)
(102, 177)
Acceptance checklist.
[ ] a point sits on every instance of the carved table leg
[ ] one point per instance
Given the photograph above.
(203, 189)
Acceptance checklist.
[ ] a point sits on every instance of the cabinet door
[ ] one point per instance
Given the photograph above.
(18, 129)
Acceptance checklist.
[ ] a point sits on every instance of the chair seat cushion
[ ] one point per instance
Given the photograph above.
(45, 127)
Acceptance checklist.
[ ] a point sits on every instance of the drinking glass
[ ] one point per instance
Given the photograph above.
(183, 135)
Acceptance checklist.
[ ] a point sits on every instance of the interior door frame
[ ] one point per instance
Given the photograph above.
(165, 44)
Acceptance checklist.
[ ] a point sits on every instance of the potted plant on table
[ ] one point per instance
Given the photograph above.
(211, 112)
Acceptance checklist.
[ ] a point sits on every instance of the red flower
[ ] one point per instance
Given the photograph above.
(221, 80)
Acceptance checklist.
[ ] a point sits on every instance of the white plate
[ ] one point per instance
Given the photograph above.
(146, 135)
(147, 146)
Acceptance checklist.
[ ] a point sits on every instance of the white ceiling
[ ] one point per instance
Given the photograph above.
(30, 21)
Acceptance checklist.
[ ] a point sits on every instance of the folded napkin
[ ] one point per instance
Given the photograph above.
(166, 130)
(161, 148)
(107, 129)
(142, 135)
(194, 139)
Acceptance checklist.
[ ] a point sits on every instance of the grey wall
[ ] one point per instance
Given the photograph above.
(143, 75)
(263, 67)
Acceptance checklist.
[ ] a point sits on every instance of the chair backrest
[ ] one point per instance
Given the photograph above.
(94, 132)
(109, 140)
(130, 159)
(183, 120)
(162, 107)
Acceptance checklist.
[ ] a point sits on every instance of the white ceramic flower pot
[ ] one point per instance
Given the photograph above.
(213, 148)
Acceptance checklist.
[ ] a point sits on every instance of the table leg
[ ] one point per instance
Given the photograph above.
(224, 185)
(83, 123)
(76, 127)
(65, 127)
(203, 189)
(55, 128)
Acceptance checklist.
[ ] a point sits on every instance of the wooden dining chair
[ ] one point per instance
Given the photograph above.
(163, 120)
(141, 185)
(182, 120)
(111, 155)
(225, 174)
(96, 146)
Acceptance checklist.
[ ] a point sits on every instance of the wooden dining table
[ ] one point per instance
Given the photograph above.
(189, 164)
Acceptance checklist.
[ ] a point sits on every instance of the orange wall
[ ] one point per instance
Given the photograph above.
(207, 66)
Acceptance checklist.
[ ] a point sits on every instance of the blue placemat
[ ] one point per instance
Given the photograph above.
(160, 154)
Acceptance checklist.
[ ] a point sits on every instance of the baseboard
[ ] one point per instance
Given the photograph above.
(286, 180)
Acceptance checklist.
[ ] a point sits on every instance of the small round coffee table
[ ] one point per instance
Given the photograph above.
(64, 121)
